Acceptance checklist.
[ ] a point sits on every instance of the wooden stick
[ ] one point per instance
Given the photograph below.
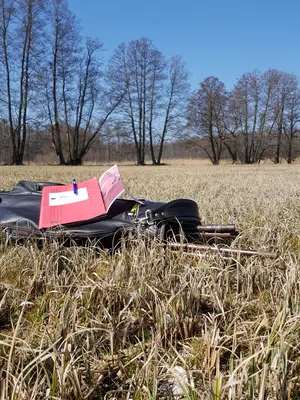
(193, 248)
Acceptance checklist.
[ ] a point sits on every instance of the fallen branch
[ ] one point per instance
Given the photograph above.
(226, 251)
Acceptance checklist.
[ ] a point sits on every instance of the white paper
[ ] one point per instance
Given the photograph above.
(133, 198)
(69, 197)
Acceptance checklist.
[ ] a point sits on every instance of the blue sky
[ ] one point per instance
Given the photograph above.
(220, 38)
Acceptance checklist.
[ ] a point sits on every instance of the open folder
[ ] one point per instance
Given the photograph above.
(63, 205)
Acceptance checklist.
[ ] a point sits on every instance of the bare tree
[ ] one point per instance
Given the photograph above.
(253, 116)
(286, 114)
(291, 119)
(205, 117)
(245, 101)
(174, 102)
(20, 28)
(231, 123)
(60, 65)
(155, 90)
(129, 72)
(78, 103)
(7, 14)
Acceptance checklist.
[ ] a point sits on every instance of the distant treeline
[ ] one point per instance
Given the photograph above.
(59, 102)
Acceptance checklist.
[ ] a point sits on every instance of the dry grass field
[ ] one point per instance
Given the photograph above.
(147, 323)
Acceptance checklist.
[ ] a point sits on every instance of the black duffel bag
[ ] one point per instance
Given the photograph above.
(20, 211)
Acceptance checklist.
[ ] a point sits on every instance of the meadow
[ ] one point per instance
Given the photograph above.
(148, 323)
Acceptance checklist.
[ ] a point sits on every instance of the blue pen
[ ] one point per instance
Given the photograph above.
(75, 186)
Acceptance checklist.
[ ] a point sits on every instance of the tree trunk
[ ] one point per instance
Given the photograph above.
(290, 147)
(75, 162)
(57, 139)
(140, 158)
(5, 24)
(215, 160)
(278, 144)
(233, 153)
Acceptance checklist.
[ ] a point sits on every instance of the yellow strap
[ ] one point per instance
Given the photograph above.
(134, 208)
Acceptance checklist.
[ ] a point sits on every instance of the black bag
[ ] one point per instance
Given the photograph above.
(20, 211)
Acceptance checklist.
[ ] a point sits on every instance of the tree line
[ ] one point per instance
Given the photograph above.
(56, 93)
(258, 118)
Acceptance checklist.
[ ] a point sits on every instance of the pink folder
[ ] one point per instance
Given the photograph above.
(60, 205)
(111, 186)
